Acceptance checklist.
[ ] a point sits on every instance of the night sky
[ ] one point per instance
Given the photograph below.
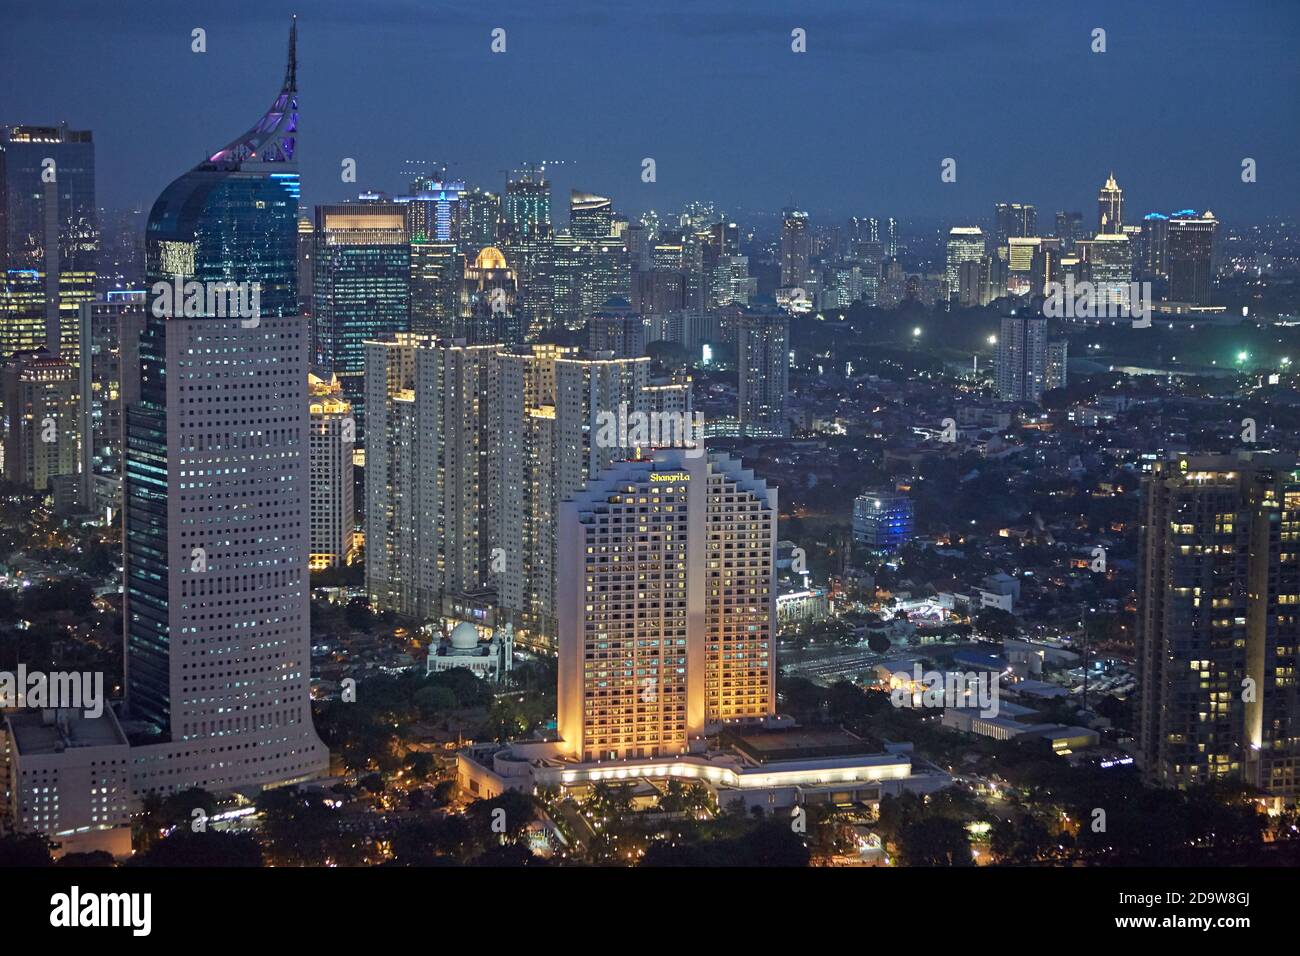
(857, 125)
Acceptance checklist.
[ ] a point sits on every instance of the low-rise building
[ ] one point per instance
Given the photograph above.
(69, 779)
(775, 769)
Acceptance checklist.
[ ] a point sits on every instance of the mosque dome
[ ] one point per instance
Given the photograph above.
(464, 636)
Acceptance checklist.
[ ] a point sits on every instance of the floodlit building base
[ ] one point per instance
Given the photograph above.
(757, 776)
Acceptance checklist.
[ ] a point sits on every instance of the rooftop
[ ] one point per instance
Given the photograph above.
(797, 743)
(43, 732)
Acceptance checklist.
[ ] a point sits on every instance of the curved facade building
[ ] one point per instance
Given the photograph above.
(216, 488)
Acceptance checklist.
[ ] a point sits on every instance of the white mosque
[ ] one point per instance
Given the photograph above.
(465, 647)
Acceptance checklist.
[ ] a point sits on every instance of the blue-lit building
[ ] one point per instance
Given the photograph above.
(882, 520)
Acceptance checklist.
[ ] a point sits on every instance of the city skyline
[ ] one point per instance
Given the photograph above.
(495, 519)
(834, 161)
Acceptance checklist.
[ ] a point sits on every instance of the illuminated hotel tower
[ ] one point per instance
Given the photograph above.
(216, 527)
(666, 605)
(1110, 208)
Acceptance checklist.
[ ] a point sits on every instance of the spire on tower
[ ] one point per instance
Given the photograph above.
(275, 137)
(291, 71)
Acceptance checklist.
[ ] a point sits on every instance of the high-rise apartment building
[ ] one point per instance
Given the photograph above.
(1219, 622)
(796, 249)
(474, 448)
(666, 605)
(333, 437)
(109, 383)
(217, 486)
(763, 354)
(1022, 358)
(41, 422)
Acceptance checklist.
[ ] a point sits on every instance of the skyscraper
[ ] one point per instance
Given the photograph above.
(1110, 268)
(526, 211)
(1110, 207)
(585, 274)
(965, 244)
(41, 439)
(1190, 245)
(666, 605)
(1069, 229)
(590, 216)
(1219, 622)
(1022, 359)
(763, 353)
(472, 450)
(216, 522)
(333, 436)
(1012, 220)
(796, 248)
(362, 272)
(487, 312)
(109, 383)
(478, 222)
(48, 226)
(1155, 246)
(437, 269)
(617, 328)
